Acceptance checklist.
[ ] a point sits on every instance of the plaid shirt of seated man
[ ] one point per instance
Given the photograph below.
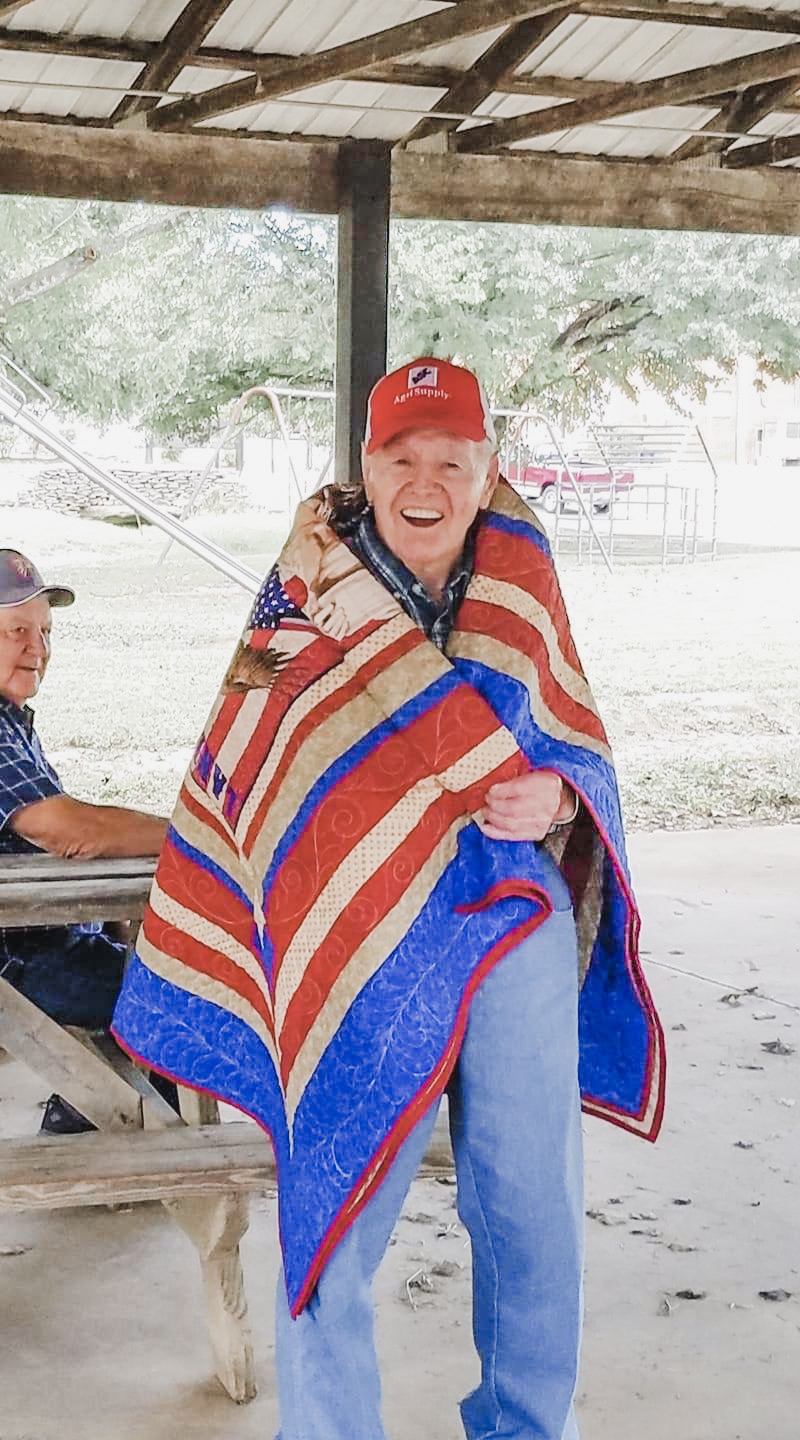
(71, 972)
(26, 776)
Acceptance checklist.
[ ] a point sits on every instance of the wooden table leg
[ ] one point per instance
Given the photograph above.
(72, 1068)
(215, 1228)
(90, 1079)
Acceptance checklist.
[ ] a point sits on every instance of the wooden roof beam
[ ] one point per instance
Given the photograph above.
(470, 17)
(82, 162)
(208, 57)
(676, 89)
(766, 152)
(738, 115)
(216, 57)
(727, 17)
(477, 84)
(193, 24)
(87, 47)
(206, 170)
(558, 190)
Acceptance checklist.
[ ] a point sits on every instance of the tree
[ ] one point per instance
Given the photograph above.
(557, 316)
(171, 319)
(160, 318)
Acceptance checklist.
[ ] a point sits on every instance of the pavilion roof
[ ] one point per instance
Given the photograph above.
(674, 112)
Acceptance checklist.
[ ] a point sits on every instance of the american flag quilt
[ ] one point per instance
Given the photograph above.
(324, 906)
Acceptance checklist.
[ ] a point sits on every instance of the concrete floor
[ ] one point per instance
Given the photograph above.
(102, 1324)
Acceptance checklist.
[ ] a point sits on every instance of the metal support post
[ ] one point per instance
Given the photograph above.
(362, 291)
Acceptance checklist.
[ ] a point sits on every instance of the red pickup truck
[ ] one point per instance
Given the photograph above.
(539, 483)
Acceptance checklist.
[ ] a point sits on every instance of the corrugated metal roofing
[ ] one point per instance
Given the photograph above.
(297, 27)
(121, 20)
(583, 48)
(63, 85)
(589, 48)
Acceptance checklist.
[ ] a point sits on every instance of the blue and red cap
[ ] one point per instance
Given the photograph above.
(21, 581)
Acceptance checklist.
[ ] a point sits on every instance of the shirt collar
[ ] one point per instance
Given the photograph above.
(389, 568)
(21, 715)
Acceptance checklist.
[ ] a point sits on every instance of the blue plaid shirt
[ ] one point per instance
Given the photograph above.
(25, 776)
(435, 617)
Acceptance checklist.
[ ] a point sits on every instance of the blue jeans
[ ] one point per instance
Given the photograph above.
(515, 1125)
(73, 976)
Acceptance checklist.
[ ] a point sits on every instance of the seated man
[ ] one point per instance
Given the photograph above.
(71, 972)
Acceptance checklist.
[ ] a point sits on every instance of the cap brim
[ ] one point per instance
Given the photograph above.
(56, 594)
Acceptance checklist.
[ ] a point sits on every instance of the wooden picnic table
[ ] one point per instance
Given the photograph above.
(144, 1150)
(46, 890)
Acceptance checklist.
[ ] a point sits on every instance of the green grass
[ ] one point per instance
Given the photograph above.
(696, 670)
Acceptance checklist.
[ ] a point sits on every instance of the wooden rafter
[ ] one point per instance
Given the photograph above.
(738, 115)
(675, 12)
(88, 47)
(767, 152)
(470, 17)
(194, 22)
(39, 118)
(676, 89)
(434, 77)
(478, 83)
(208, 57)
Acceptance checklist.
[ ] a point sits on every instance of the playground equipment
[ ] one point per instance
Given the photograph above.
(235, 426)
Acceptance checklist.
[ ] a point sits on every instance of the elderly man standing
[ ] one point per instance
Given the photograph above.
(397, 868)
(72, 972)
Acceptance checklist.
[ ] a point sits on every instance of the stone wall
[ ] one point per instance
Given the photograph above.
(63, 489)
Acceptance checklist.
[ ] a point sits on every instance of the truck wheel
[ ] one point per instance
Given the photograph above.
(549, 499)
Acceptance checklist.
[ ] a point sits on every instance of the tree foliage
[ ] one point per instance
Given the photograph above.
(161, 317)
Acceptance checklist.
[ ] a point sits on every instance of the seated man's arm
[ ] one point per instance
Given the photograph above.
(77, 830)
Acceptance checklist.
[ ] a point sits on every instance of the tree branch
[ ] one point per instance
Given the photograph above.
(574, 334)
(38, 282)
(602, 338)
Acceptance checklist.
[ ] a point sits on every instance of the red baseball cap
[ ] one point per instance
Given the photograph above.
(428, 394)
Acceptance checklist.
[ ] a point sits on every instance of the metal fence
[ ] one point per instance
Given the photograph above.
(614, 492)
(648, 492)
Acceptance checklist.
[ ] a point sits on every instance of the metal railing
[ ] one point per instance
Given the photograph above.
(514, 430)
(286, 401)
(232, 429)
(655, 496)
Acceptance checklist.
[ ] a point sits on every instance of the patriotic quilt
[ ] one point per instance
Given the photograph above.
(325, 907)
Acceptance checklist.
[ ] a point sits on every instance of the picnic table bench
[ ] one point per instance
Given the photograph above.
(197, 1174)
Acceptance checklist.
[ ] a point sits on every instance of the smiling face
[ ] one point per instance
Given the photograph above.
(426, 487)
(24, 648)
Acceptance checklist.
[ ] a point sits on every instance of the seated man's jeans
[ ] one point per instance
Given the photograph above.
(515, 1124)
(76, 983)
